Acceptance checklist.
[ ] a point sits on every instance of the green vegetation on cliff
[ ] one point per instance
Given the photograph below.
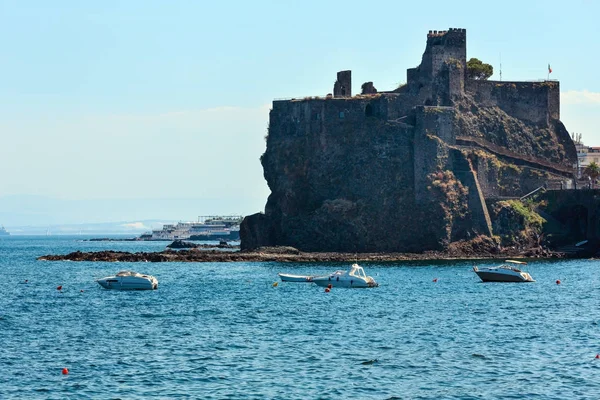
(517, 222)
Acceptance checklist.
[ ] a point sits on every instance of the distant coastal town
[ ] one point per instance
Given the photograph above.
(206, 228)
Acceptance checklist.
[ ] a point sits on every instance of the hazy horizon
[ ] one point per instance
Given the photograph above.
(136, 110)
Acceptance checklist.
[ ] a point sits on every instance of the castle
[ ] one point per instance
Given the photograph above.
(409, 169)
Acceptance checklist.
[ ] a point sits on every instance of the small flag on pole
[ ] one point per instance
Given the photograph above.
(549, 69)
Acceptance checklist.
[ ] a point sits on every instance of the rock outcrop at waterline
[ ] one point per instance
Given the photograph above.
(475, 249)
(408, 170)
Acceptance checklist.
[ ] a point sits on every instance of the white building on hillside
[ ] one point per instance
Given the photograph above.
(585, 156)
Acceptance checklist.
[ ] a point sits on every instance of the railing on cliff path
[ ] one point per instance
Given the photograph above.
(515, 157)
(532, 193)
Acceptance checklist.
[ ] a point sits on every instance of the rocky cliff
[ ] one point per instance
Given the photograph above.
(408, 170)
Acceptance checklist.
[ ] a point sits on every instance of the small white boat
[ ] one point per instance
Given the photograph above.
(129, 280)
(504, 273)
(295, 278)
(355, 278)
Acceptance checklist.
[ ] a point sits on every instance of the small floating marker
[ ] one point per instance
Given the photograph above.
(329, 286)
(597, 356)
(275, 284)
(81, 291)
(327, 290)
(65, 371)
(370, 362)
(435, 279)
(59, 287)
(558, 281)
(26, 280)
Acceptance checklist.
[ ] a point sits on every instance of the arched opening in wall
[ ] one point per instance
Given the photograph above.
(596, 221)
(369, 110)
(576, 220)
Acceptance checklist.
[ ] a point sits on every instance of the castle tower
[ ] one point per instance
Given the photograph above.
(442, 47)
(343, 85)
(442, 73)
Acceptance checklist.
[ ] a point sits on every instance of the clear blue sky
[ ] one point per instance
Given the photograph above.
(169, 99)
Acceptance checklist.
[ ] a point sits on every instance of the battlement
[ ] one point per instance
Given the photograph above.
(443, 33)
(451, 37)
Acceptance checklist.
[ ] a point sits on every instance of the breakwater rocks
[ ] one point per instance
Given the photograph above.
(181, 244)
(285, 254)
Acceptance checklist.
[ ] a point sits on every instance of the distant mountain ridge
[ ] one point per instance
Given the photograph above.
(29, 213)
(133, 228)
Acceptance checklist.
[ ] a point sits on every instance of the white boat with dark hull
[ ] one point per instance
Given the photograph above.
(129, 280)
(355, 278)
(295, 278)
(504, 273)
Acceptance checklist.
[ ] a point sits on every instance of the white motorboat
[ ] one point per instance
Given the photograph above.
(504, 273)
(355, 278)
(129, 280)
(295, 278)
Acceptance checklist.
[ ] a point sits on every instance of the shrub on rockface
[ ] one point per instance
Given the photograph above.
(517, 222)
(450, 198)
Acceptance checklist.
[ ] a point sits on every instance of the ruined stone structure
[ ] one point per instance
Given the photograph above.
(409, 169)
(343, 85)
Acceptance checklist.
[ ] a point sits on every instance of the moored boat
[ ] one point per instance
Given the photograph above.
(507, 272)
(295, 278)
(355, 278)
(129, 280)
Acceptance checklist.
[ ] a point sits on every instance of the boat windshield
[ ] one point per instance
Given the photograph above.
(127, 273)
(358, 271)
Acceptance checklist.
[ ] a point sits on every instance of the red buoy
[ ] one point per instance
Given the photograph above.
(65, 371)
(327, 290)
(597, 355)
(558, 281)
(435, 280)
(329, 286)
(59, 287)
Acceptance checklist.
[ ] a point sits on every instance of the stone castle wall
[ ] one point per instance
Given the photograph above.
(385, 171)
(535, 102)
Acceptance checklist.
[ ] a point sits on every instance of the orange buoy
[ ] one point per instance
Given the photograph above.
(435, 280)
(327, 290)
(65, 371)
(558, 281)
(275, 284)
(59, 287)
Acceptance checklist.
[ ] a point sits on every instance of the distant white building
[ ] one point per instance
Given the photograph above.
(585, 156)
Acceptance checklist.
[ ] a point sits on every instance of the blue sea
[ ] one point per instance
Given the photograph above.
(224, 331)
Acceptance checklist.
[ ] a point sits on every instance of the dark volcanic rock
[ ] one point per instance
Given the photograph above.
(180, 244)
(407, 171)
(478, 248)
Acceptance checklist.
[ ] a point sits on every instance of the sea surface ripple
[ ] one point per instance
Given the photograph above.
(222, 330)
